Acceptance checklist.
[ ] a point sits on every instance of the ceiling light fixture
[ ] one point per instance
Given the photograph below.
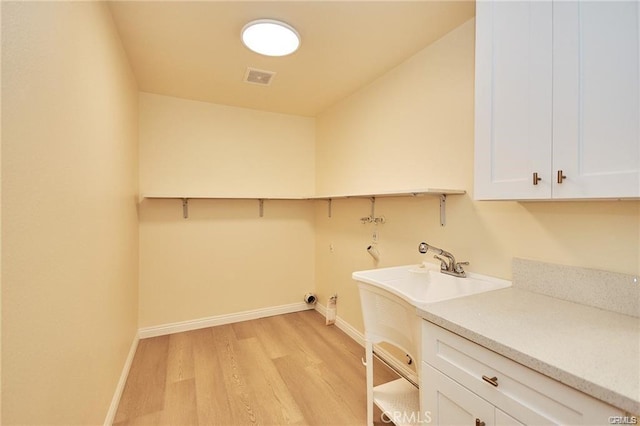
(270, 37)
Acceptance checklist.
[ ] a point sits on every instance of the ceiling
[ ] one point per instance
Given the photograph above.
(192, 49)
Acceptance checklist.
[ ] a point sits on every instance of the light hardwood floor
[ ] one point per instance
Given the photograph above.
(283, 370)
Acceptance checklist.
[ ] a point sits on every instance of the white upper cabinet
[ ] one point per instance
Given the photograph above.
(596, 115)
(513, 99)
(557, 100)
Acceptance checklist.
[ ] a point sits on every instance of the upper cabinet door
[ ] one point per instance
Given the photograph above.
(513, 100)
(596, 99)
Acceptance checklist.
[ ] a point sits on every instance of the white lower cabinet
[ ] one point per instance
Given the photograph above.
(450, 403)
(453, 404)
(463, 383)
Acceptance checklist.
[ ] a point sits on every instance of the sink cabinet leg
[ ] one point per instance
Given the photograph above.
(369, 356)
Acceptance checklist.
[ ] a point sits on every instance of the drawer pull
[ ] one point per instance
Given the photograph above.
(480, 422)
(491, 380)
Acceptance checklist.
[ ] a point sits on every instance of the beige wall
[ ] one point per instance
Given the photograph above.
(198, 148)
(224, 258)
(0, 220)
(69, 225)
(413, 128)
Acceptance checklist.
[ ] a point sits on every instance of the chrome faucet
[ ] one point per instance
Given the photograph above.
(448, 264)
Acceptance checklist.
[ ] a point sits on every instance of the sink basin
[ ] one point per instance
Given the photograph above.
(423, 284)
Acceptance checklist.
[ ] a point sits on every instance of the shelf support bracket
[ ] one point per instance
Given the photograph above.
(185, 208)
(443, 210)
(329, 206)
(261, 207)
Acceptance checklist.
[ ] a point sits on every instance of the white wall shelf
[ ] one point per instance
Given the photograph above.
(433, 192)
(401, 193)
(185, 200)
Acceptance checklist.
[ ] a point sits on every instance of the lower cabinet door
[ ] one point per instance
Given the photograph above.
(449, 403)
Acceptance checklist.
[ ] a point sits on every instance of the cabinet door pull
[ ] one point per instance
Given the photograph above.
(491, 380)
(536, 178)
(561, 176)
(480, 422)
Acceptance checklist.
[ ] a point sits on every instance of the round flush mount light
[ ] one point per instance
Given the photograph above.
(270, 37)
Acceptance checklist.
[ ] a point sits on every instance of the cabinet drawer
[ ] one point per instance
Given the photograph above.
(526, 395)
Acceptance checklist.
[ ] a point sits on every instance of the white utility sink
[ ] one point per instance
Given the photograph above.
(389, 298)
(422, 284)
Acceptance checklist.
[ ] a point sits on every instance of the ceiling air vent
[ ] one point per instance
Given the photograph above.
(261, 77)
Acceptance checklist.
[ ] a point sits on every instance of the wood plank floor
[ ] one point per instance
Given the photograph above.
(282, 370)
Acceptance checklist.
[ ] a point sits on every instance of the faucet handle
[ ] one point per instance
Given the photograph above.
(458, 266)
(444, 266)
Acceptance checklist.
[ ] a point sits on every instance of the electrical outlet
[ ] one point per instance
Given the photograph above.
(374, 236)
(331, 248)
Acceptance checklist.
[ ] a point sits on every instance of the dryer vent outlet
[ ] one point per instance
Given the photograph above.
(256, 76)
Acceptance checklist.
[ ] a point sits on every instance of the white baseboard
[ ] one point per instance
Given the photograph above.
(177, 327)
(359, 338)
(343, 325)
(113, 408)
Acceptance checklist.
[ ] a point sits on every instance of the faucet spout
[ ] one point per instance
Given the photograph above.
(448, 264)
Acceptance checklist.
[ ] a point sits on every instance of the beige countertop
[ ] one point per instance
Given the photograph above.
(590, 349)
